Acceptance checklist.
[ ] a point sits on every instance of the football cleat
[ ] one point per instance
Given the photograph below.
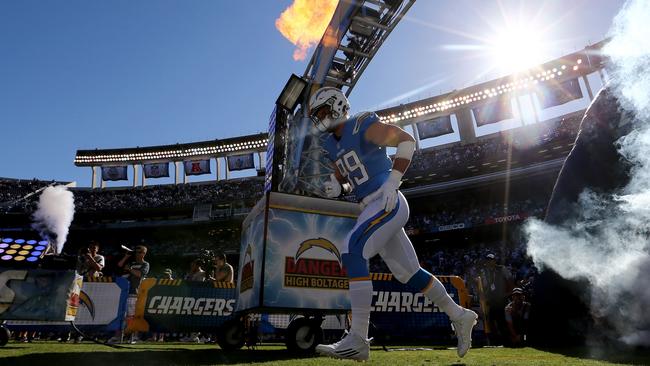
(463, 327)
(351, 346)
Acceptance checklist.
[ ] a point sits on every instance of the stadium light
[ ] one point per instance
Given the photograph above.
(288, 99)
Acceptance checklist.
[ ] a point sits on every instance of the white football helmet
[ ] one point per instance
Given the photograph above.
(337, 103)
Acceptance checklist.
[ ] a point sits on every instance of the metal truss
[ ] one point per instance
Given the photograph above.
(371, 23)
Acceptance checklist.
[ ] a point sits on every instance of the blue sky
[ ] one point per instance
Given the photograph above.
(82, 74)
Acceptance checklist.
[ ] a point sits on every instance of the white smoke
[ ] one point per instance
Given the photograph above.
(54, 215)
(608, 243)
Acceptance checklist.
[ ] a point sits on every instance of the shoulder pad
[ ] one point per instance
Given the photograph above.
(364, 118)
(367, 117)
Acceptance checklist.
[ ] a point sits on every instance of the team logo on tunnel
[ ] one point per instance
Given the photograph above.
(316, 264)
(247, 270)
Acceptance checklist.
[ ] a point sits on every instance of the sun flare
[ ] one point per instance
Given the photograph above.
(516, 49)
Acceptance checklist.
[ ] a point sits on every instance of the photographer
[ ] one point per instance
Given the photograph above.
(222, 270)
(517, 313)
(135, 267)
(89, 262)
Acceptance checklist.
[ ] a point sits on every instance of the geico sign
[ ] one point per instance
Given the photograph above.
(451, 227)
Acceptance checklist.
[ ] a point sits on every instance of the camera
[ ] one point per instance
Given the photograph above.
(206, 258)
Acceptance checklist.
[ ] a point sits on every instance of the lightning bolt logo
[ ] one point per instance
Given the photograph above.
(85, 300)
(248, 253)
(320, 243)
(376, 221)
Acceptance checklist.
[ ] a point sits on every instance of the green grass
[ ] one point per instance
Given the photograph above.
(88, 354)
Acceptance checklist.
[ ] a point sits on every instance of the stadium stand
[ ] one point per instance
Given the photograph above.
(520, 146)
(161, 196)
(175, 248)
(12, 191)
(526, 145)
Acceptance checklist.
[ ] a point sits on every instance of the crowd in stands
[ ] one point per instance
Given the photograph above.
(448, 159)
(168, 195)
(14, 193)
(116, 199)
(474, 213)
(495, 147)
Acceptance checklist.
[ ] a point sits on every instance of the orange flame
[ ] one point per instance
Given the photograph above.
(304, 22)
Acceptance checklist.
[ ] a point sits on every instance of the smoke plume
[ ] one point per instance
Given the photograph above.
(54, 215)
(304, 22)
(607, 242)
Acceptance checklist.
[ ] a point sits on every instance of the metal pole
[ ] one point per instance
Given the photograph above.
(135, 175)
(416, 135)
(591, 94)
(227, 170)
(532, 105)
(521, 113)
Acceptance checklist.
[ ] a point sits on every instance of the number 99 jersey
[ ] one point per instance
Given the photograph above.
(365, 165)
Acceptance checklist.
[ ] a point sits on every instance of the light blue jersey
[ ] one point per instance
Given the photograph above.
(365, 164)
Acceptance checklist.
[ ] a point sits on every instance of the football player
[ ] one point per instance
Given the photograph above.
(357, 146)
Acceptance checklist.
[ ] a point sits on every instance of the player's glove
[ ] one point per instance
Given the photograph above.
(387, 192)
(332, 187)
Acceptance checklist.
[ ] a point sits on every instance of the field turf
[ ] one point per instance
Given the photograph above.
(89, 354)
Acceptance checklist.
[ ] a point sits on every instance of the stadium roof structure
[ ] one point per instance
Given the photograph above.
(176, 152)
(577, 64)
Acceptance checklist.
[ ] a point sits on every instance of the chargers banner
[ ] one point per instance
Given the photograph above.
(114, 173)
(241, 162)
(182, 306)
(301, 257)
(102, 304)
(157, 170)
(302, 264)
(38, 294)
(197, 167)
(401, 311)
(397, 311)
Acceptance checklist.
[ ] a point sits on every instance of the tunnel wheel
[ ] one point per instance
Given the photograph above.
(4, 335)
(231, 335)
(303, 335)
